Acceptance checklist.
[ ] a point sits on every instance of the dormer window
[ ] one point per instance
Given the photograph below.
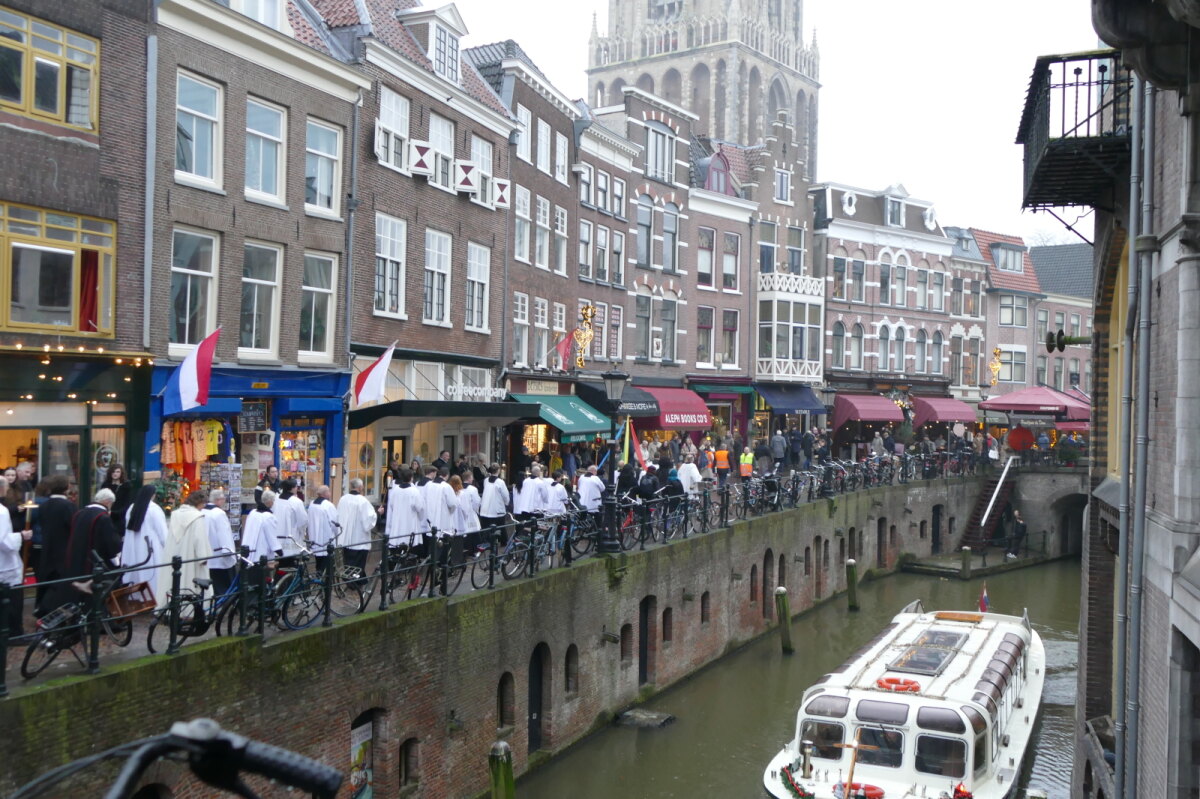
(895, 212)
(445, 54)
(1009, 259)
(265, 11)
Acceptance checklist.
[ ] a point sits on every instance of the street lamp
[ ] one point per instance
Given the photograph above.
(614, 386)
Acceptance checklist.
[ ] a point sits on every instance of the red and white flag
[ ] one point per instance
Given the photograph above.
(371, 383)
(187, 387)
(564, 350)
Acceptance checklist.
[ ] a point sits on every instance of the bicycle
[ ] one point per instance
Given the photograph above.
(216, 757)
(196, 615)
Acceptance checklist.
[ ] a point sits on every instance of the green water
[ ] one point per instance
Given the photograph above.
(733, 717)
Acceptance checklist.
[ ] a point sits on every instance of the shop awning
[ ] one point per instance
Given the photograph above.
(865, 408)
(216, 406)
(441, 409)
(940, 409)
(1040, 399)
(790, 398)
(995, 418)
(574, 417)
(299, 406)
(716, 388)
(1073, 427)
(679, 409)
(635, 401)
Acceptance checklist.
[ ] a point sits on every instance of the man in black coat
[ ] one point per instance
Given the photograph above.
(54, 517)
(92, 533)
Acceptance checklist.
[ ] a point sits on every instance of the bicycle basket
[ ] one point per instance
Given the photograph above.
(130, 600)
(59, 616)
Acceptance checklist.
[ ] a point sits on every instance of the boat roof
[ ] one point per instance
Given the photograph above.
(949, 655)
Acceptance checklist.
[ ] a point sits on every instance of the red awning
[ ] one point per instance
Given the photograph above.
(864, 408)
(679, 409)
(940, 409)
(1040, 399)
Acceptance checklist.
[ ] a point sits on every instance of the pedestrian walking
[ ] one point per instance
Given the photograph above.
(187, 538)
(358, 518)
(1018, 536)
(220, 540)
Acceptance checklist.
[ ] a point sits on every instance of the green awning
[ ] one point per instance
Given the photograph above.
(709, 388)
(575, 418)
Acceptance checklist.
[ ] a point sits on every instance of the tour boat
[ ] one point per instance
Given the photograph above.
(939, 705)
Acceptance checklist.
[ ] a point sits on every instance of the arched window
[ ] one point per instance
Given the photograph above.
(410, 762)
(898, 361)
(645, 221)
(919, 366)
(935, 354)
(627, 643)
(571, 670)
(839, 346)
(807, 561)
(506, 701)
(668, 630)
(705, 608)
(856, 347)
(670, 257)
(754, 583)
(885, 349)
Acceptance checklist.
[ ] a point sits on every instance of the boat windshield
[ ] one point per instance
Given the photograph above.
(825, 735)
(888, 747)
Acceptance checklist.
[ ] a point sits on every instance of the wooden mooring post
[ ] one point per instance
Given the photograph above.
(784, 614)
(501, 766)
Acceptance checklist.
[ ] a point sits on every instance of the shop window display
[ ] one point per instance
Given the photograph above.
(302, 452)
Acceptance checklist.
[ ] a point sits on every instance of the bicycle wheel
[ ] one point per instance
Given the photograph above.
(347, 598)
(513, 561)
(119, 629)
(159, 633)
(454, 577)
(630, 530)
(737, 505)
(583, 534)
(42, 651)
(304, 606)
(481, 568)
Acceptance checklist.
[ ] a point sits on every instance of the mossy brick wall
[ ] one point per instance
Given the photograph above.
(431, 669)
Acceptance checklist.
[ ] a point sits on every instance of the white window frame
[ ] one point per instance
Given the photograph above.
(541, 332)
(660, 154)
(616, 321)
(558, 323)
(1010, 260)
(273, 347)
(737, 338)
(603, 196)
(783, 186)
(600, 262)
(585, 250)
(524, 133)
(561, 234)
(893, 212)
(391, 249)
(437, 268)
(1014, 304)
(585, 184)
(561, 158)
(543, 146)
(616, 268)
(541, 246)
(483, 156)
(265, 12)
(218, 137)
(479, 279)
(710, 335)
(392, 129)
(212, 276)
(523, 232)
(670, 238)
(280, 144)
(446, 55)
(520, 355)
(442, 161)
(335, 169)
(324, 355)
(618, 197)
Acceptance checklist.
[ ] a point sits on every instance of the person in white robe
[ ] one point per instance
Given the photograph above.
(322, 526)
(145, 540)
(689, 475)
(187, 538)
(220, 539)
(358, 518)
(406, 514)
(591, 490)
(293, 520)
(440, 505)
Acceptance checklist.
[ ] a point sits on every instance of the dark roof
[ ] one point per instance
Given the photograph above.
(1065, 269)
(961, 236)
(487, 59)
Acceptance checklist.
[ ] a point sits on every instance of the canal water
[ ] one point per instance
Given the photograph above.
(734, 716)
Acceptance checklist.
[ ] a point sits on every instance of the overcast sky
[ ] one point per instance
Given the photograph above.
(927, 93)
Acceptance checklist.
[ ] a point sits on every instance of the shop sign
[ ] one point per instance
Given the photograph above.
(541, 387)
(485, 393)
(678, 419)
(260, 385)
(253, 417)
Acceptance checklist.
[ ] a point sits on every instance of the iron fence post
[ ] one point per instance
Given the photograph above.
(434, 556)
(568, 530)
(643, 524)
(243, 589)
(93, 622)
(385, 580)
(262, 595)
(706, 505)
(173, 604)
(687, 507)
(329, 557)
(5, 599)
(493, 559)
(725, 505)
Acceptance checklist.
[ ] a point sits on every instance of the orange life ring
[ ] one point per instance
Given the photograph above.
(898, 685)
(858, 789)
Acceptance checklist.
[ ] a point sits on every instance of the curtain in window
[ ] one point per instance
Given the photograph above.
(89, 295)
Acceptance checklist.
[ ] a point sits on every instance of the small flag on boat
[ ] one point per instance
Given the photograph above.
(984, 604)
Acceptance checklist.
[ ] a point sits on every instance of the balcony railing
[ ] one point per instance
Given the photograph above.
(1075, 129)
(788, 283)
(787, 370)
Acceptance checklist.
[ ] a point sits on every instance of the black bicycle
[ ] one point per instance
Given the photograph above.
(216, 756)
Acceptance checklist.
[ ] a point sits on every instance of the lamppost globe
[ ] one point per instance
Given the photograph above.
(614, 384)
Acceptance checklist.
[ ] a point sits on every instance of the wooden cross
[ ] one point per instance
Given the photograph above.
(854, 747)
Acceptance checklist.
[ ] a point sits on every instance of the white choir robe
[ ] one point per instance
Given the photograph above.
(259, 534)
(358, 518)
(293, 524)
(689, 477)
(440, 506)
(12, 569)
(405, 515)
(556, 499)
(590, 489)
(321, 517)
(187, 538)
(494, 502)
(466, 515)
(137, 545)
(220, 538)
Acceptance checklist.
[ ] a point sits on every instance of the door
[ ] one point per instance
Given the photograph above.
(936, 536)
(394, 447)
(536, 677)
(61, 456)
(647, 645)
(449, 446)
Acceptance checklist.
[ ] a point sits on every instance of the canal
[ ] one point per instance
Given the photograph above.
(734, 716)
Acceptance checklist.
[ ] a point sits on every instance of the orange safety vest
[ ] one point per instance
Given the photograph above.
(722, 458)
(746, 467)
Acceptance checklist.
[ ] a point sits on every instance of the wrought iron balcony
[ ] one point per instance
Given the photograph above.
(1075, 129)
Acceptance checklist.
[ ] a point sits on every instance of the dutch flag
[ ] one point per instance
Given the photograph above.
(187, 387)
(984, 604)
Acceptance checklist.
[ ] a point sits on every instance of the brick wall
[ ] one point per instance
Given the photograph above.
(431, 669)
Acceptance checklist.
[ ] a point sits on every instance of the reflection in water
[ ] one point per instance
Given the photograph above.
(733, 717)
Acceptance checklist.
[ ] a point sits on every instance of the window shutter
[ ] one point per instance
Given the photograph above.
(380, 142)
(501, 192)
(420, 157)
(466, 177)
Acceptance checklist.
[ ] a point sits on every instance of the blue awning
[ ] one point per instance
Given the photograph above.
(300, 406)
(790, 398)
(216, 406)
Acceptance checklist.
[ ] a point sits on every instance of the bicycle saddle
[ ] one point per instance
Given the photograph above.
(202, 583)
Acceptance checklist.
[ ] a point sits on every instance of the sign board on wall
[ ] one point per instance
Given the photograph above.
(362, 776)
(254, 417)
(541, 387)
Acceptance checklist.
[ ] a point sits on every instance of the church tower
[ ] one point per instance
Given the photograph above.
(734, 63)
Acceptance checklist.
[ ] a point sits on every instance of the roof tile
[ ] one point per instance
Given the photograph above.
(1025, 280)
(1065, 269)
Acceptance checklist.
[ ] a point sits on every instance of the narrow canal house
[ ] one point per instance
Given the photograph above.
(1139, 646)
(75, 342)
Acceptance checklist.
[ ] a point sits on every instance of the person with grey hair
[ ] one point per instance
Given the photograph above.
(322, 522)
(358, 518)
(260, 533)
(12, 569)
(92, 533)
(220, 539)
